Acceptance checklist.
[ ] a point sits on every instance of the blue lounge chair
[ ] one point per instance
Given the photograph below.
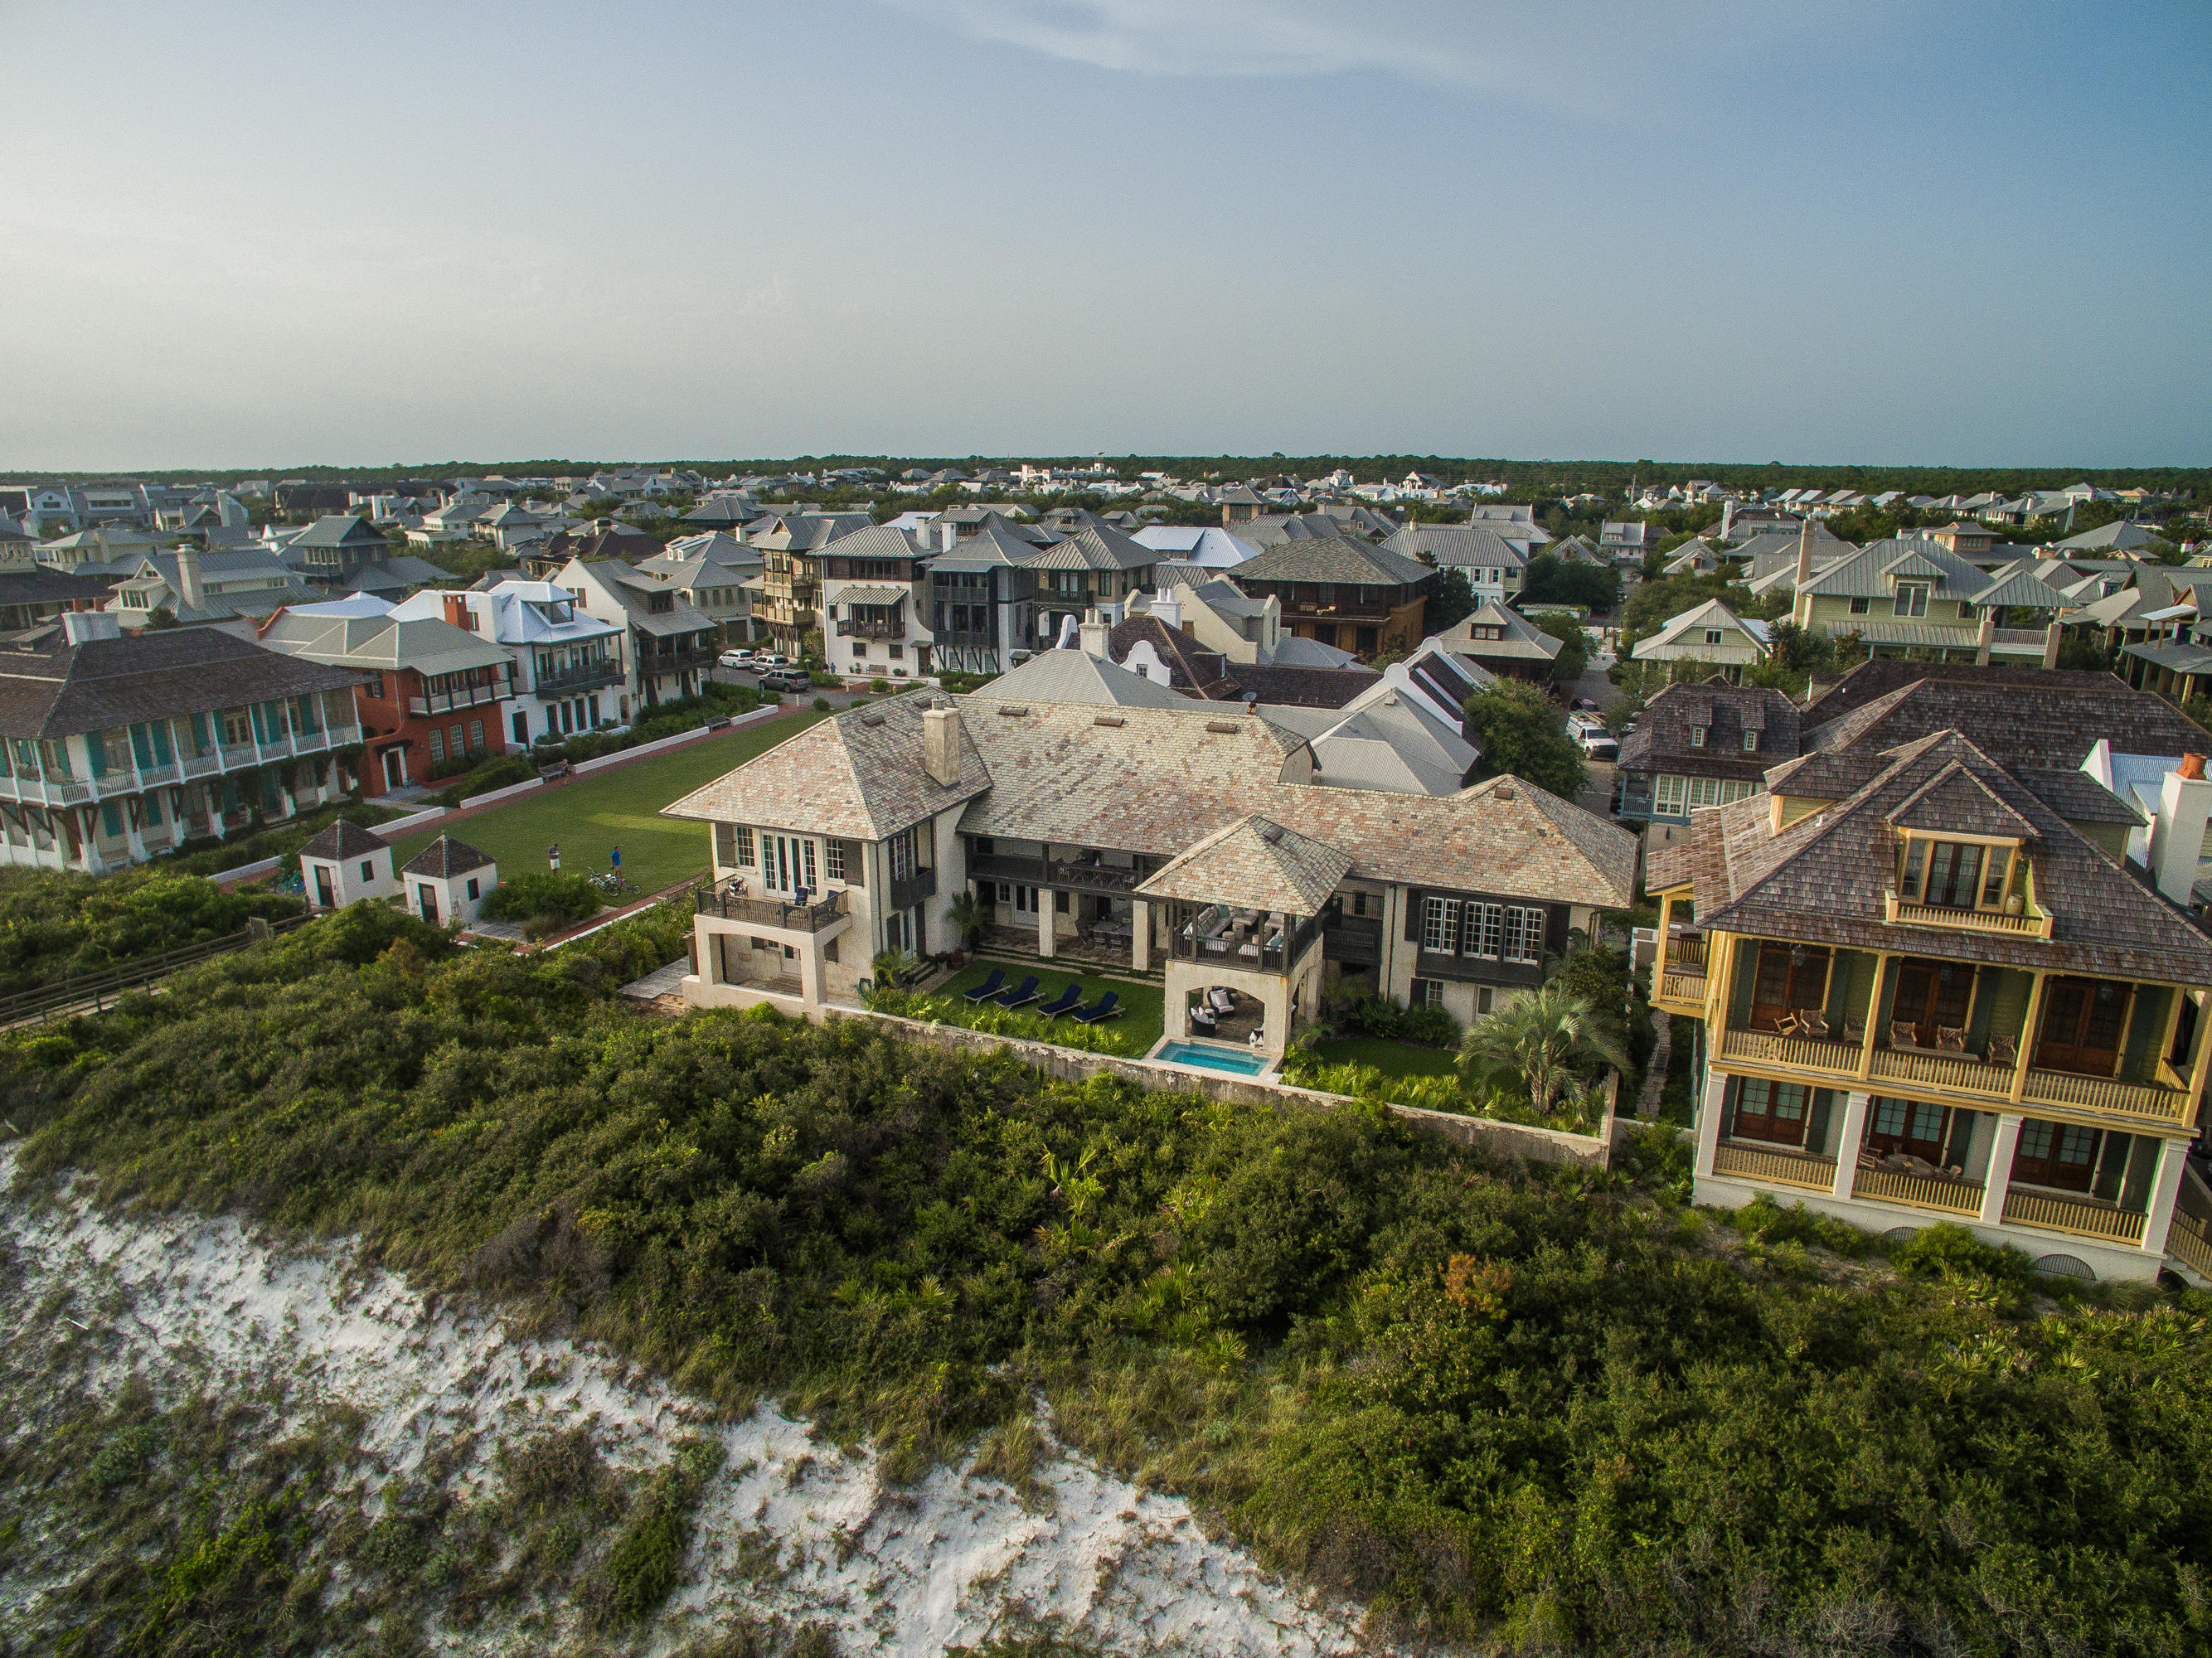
(1108, 1007)
(1066, 1002)
(1024, 992)
(990, 987)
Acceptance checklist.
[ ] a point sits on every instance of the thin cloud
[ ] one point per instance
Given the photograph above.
(1563, 51)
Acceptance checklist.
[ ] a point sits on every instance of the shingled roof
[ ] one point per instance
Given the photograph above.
(445, 859)
(1822, 880)
(343, 840)
(1253, 863)
(1662, 742)
(50, 688)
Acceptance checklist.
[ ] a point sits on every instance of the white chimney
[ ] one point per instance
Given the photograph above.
(1805, 552)
(2177, 834)
(2051, 635)
(1093, 635)
(1168, 608)
(940, 744)
(189, 589)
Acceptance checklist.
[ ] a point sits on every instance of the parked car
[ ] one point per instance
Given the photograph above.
(769, 662)
(786, 682)
(742, 657)
(1589, 702)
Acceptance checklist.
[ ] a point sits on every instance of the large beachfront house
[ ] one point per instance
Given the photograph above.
(1149, 832)
(114, 748)
(1930, 990)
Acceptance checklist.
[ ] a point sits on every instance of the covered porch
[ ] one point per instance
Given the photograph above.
(1050, 900)
(754, 949)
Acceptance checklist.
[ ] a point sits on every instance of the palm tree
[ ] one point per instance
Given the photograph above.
(965, 913)
(1542, 1037)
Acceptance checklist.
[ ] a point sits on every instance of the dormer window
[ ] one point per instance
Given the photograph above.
(1697, 736)
(1958, 874)
(1911, 598)
(1751, 742)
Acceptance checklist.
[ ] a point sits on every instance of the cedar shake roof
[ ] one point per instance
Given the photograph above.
(343, 840)
(1334, 558)
(445, 859)
(1870, 680)
(50, 688)
(1661, 741)
(858, 776)
(1822, 880)
(2025, 723)
(1304, 688)
(1254, 864)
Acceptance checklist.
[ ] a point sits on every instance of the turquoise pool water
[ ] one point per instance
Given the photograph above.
(1213, 1059)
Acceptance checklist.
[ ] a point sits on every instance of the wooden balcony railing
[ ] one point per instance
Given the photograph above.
(2064, 1214)
(2191, 1241)
(2064, 1088)
(1682, 987)
(1906, 911)
(1959, 1073)
(1769, 1047)
(1953, 1197)
(1783, 1168)
(732, 903)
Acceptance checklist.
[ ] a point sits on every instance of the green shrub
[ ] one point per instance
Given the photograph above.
(1387, 1018)
(541, 892)
(456, 765)
(498, 772)
(821, 705)
(880, 687)
(58, 924)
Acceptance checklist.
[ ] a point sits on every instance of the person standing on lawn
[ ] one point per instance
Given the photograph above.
(553, 857)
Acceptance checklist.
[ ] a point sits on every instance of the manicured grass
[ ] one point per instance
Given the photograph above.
(615, 807)
(1391, 1058)
(1141, 1026)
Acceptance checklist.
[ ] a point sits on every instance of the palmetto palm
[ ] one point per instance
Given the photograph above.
(1541, 1037)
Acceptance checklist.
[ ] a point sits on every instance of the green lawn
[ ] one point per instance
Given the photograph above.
(615, 807)
(1391, 1058)
(1141, 1026)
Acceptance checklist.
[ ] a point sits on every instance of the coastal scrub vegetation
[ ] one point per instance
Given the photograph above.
(62, 924)
(1545, 1409)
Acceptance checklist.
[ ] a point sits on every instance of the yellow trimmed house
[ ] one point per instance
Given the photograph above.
(1925, 995)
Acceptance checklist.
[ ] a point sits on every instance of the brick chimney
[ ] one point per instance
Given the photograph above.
(940, 744)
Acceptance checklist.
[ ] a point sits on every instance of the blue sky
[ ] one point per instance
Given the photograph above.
(247, 235)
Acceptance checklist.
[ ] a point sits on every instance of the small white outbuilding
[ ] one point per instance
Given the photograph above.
(448, 881)
(344, 864)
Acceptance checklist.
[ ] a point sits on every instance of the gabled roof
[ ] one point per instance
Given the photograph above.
(430, 646)
(1076, 675)
(1957, 802)
(1466, 546)
(446, 859)
(1522, 639)
(1661, 741)
(1867, 573)
(858, 776)
(1254, 864)
(1684, 636)
(342, 530)
(1095, 547)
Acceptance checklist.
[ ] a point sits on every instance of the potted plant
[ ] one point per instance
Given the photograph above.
(966, 914)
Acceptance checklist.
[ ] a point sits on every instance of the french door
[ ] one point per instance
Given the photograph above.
(1932, 994)
(1771, 1111)
(1788, 978)
(2082, 1020)
(1911, 1127)
(786, 863)
(2062, 1155)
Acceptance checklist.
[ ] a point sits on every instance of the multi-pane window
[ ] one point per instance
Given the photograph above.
(813, 884)
(1428, 993)
(1911, 598)
(1440, 925)
(1524, 934)
(834, 859)
(437, 745)
(1486, 930)
(745, 838)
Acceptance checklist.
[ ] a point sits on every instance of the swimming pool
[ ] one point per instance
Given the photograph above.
(1209, 1058)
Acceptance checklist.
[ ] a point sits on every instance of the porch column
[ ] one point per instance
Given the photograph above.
(1847, 1145)
(2158, 1215)
(1994, 1184)
(1708, 1121)
(1044, 899)
(2028, 1023)
(1141, 935)
(812, 992)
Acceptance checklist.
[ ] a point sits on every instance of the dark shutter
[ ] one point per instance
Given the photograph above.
(1414, 896)
(856, 863)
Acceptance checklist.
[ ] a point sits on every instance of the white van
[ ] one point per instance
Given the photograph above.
(1597, 743)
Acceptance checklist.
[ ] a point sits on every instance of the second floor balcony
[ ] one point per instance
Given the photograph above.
(579, 677)
(1974, 1034)
(1254, 942)
(740, 898)
(453, 699)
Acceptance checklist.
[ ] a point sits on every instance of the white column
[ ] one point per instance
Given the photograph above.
(1848, 1142)
(1044, 899)
(2158, 1217)
(2000, 1175)
(1708, 1121)
(812, 991)
(1141, 931)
